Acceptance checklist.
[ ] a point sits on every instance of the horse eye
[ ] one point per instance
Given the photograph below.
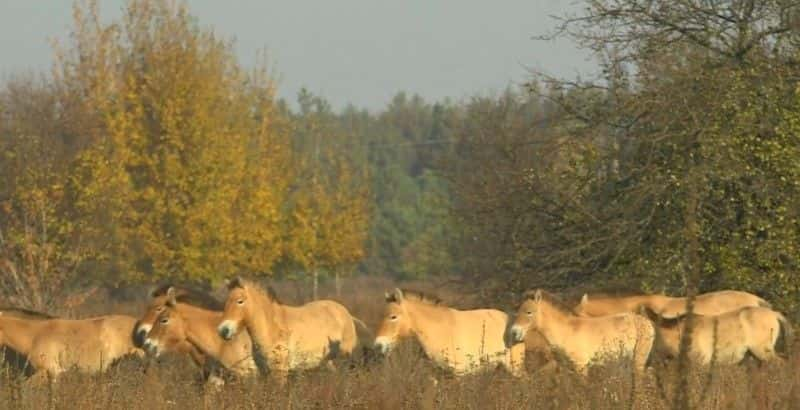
(165, 321)
(159, 309)
(240, 301)
(530, 313)
(393, 317)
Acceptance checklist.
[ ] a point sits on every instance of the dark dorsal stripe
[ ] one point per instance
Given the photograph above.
(25, 313)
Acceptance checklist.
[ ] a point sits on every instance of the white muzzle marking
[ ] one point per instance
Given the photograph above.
(227, 329)
(517, 333)
(383, 344)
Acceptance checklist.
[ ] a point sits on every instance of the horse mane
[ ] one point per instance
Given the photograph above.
(25, 313)
(191, 296)
(419, 296)
(267, 291)
(550, 298)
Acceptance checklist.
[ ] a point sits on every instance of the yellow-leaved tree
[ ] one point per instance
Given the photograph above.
(329, 208)
(189, 172)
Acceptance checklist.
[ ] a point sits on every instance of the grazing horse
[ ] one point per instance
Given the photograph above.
(461, 341)
(288, 337)
(712, 303)
(726, 338)
(581, 339)
(55, 345)
(180, 324)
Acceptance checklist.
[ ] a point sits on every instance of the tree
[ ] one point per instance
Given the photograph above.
(186, 178)
(329, 207)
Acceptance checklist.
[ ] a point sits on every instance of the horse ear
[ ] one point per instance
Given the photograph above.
(398, 295)
(387, 296)
(538, 295)
(171, 299)
(585, 298)
(234, 283)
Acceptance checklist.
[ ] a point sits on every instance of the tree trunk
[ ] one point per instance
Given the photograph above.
(338, 283)
(315, 285)
(692, 279)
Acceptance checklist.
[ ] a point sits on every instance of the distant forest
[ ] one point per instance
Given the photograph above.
(150, 152)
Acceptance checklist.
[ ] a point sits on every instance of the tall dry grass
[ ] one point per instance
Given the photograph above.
(402, 380)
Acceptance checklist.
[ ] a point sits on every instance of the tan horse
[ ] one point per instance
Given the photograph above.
(584, 340)
(726, 338)
(56, 345)
(713, 303)
(461, 341)
(11, 357)
(290, 337)
(181, 323)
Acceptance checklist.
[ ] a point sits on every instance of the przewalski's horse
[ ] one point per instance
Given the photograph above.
(461, 341)
(55, 345)
(288, 337)
(713, 303)
(726, 338)
(13, 358)
(584, 340)
(181, 323)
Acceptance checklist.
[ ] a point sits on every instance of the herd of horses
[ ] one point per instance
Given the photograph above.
(254, 333)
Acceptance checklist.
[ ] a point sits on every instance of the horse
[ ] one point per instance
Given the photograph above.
(180, 323)
(581, 339)
(713, 303)
(727, 338)
(13, 358)
(459, 341)
(55, 345)
(287, 337)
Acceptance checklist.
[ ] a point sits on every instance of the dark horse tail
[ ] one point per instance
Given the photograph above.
(785, 338)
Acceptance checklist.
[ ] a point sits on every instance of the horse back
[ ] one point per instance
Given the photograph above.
(723, 301)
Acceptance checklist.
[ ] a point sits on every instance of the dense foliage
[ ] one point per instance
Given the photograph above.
(150, 152)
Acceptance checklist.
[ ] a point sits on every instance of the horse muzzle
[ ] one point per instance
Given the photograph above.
(383, 345)
(517, 333)
(151, 347)
(227, 330)
(140, 335)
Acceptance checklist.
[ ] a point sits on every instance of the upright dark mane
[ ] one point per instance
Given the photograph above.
(551, 299)
(25, 313)
(190, 296)
(268, 290)
(419, 296)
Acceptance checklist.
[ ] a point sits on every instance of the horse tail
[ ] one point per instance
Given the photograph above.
(786, 335)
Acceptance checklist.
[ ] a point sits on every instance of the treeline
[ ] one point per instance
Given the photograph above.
(150, 152)
(677, 170)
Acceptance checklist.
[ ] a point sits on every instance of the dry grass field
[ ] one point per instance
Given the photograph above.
(403, 380)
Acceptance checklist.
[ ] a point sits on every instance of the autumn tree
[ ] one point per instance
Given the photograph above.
(186, 178)
(329, 207)
(41, 251)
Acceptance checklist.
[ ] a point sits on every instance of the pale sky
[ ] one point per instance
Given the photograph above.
(348, 51)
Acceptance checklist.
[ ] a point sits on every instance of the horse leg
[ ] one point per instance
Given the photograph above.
(516, 360)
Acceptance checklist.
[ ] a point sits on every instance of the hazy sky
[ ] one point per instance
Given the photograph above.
(359, 51)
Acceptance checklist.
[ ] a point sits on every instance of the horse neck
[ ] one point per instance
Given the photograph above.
(552, 322)
(201, 328)
(656, 302)
(18, 334)
(268, 320)
(425, 319)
